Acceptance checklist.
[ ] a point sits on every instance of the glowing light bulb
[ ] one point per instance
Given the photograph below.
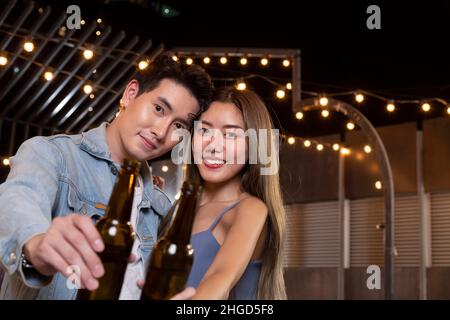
(143, 64)
(299, 115)
(350, 126)
(323, 101)
(88, 54)
(48, 75)
(291, 140)
(87, 88)
(281, 94)
(325, 113)
(28, 46)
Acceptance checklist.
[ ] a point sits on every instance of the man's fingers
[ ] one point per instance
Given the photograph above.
(87, 227)
(89, 256)
(186, 294)
(72, 257)
(132, 258)
(54, 262)
(140, 283)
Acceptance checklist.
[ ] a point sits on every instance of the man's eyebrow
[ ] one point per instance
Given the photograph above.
(164, 101)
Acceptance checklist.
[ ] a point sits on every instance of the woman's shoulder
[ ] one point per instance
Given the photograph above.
(253, 205)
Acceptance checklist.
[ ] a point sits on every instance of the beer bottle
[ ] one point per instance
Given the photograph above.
(173, 255)
(117, 235)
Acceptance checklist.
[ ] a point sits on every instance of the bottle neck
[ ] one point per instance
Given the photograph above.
(121, 202)
(184, 213)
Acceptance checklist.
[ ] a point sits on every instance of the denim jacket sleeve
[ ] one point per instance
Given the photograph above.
(26, 200)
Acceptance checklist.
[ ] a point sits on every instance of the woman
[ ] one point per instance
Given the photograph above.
(238, 229)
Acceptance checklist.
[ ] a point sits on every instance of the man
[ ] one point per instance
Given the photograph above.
(53, 177)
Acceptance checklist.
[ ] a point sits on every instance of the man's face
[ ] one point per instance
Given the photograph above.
(148, 121)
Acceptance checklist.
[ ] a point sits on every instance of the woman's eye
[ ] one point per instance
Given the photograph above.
(231, 135)
(203, 131)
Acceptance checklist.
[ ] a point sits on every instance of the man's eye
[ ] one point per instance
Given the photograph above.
(158, 108)
(179, 126)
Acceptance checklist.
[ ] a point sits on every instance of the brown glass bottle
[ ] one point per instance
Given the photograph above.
(117, 234)
(173, 255)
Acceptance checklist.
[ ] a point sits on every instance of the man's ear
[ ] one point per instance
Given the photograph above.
(130, 93)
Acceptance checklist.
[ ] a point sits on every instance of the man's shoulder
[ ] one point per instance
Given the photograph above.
(58, 141)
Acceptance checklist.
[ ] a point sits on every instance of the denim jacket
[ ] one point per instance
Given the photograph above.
(56, 176)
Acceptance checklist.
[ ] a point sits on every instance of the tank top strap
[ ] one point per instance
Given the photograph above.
(217, 220)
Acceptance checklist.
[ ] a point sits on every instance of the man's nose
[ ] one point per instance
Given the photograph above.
(160, 128)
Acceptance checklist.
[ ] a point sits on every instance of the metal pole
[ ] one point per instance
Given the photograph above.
(423, 218)
(296, 83)
(341, 268)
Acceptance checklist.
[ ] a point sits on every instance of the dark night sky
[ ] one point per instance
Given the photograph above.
(407, 58)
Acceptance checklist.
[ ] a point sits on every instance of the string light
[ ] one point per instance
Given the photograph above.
(48, 75)
(28, 46)
(87, 88)
(367, 149)
(223, 60)
(286, 63)
(243, 61)
(281, 94)
(98, 33)
(325, 113)
(165, 168)
(6, 162)
(99, 20)
(189, 61)
(359, 97)
(82, 22)
(3, 60)
(291, 140)
(88, 54)
(299, 115)
(335, 147)
(323, 101)
(241, 86)
(448, 110)
(174, 58)
(264, 61)
(143, 64)
(307, 143)
(345, 151)
(378, 185)
(289, 86)
(206, 60)
(319, 147)
(350, 125)
(390, 107)
(92, 96)
(426, 107)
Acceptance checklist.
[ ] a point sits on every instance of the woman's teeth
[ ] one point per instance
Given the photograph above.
(214, 161)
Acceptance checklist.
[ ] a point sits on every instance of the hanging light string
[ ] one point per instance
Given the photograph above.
(70, 42)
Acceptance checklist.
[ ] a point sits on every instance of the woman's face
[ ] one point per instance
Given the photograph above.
(219, 143)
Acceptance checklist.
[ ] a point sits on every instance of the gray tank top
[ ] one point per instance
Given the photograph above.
(205, 249)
